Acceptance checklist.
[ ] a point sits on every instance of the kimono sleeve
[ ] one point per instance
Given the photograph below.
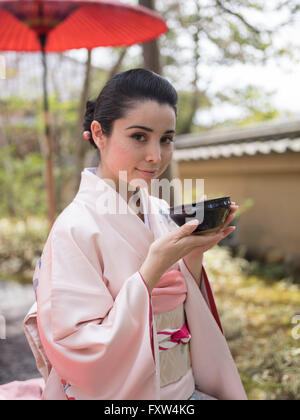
(204, 284)
(93, 342)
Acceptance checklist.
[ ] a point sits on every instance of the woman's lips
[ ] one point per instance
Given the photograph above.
(147, 173)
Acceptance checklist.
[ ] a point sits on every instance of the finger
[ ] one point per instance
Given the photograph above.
(228, 231)
(221, 234)
(186, 229)
(229, 218)
(203, 198)
(207, 240)
(227, 222)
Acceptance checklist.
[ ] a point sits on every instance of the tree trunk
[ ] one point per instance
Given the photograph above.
(116, 68)
(152, 61)
(9, 171)
(81, 149)
(196, 94)
(151, 49)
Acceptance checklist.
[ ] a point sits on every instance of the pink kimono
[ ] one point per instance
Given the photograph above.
(92, 330)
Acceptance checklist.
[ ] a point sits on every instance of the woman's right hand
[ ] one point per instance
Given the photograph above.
(170, 248)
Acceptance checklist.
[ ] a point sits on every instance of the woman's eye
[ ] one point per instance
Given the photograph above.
(168, 138)
(138, 137)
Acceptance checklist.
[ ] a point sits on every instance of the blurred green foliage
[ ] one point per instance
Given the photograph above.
(257, 313)
(22, 186)
(21, 244)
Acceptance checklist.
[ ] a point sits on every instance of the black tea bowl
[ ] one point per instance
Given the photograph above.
(216, 211)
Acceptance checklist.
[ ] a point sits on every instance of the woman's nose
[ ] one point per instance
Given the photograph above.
(154, 154)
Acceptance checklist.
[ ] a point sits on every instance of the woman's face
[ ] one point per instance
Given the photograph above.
(142, 141)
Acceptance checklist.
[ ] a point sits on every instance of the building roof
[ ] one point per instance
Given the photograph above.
(262, 139)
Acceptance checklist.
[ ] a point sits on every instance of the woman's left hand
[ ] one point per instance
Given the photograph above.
(194, 259)
(229, 219)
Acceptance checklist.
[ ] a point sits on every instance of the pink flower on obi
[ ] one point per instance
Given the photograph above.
(170, 338)
(169, 293)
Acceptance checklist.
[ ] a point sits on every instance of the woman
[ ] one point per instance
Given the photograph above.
(124, 308)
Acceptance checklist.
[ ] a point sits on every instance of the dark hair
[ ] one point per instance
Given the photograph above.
(121, 93)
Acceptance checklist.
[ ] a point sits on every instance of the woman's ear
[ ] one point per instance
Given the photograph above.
(97, 134)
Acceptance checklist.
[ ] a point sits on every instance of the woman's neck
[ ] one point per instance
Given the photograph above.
(128, 193)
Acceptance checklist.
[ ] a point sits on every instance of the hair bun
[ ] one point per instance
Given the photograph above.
(89, 114)
(88, 119)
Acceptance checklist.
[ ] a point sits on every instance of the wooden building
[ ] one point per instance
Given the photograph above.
(259, 167)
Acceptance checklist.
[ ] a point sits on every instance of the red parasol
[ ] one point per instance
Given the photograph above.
(59, 25)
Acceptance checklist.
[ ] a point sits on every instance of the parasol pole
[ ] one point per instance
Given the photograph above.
(49, 147)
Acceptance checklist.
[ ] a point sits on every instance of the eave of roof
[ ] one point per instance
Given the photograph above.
(264, 140)
(237, 150)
